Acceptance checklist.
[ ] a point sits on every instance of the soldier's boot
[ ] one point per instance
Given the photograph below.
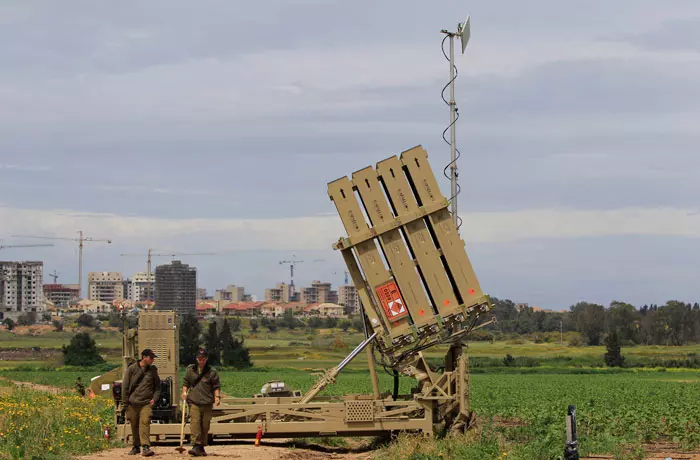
(147, 452)
(197, 451)
(134, 451)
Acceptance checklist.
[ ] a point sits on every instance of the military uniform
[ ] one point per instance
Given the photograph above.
(140, 386)
(203, 387)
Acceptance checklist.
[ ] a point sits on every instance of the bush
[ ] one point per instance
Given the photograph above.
(86, 320)
(576, 341)
(9, 323)
(27, 319)
(58, 325)
(82, 351)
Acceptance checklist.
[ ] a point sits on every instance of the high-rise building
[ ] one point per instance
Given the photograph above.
(60, 295)
(21, 288)
(139, 287)
(105, 286)
(176, 287)
(201, 293)
(347, 297)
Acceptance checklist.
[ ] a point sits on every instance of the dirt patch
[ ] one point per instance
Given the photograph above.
(270, 450)
(36, 386)
(29, 354)
(508, 422)
(657, 451)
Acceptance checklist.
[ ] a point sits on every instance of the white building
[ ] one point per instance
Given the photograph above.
(139, 287)
(105, 286)
(21, 288)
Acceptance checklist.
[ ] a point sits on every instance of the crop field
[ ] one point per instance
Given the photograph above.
(520, 414)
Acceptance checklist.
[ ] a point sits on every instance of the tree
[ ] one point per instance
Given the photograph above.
(9, 323)
(46, 317)
(345, 325)
(358, 324)
(86, 320)
(234, 354)
(82, 351)
(58, 325)
(27, 319)
(190, 331)
(288, 320)
(590, 320)
(330, 322)
(623, 318)
(235, 324)
(254, 325)
(613, 355)
(271, 325)
(315, 322)
(213, 344)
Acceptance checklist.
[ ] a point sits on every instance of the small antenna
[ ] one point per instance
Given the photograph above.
(464, 33)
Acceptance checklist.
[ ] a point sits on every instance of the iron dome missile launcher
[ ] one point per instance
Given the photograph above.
(418, 291)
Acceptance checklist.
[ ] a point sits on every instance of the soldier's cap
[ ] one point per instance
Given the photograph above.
(203, 353)
(148, 352)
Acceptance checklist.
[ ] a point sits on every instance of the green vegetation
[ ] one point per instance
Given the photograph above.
(82, 351)
(39, 425)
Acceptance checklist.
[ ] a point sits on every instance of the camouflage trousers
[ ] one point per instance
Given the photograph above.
(200, 418)
(140, 420)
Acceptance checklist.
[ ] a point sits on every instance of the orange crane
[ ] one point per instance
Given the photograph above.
(81, 239)
(162, 254)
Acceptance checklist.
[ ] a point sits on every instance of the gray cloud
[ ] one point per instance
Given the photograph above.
(220, 109)
(676, 35)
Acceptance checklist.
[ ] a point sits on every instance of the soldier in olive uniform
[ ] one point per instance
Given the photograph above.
(140, 391)
(202, 389)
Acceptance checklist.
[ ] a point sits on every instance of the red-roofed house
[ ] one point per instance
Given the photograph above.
(242, 308)
(204, 308)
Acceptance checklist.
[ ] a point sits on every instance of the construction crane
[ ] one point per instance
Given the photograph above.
(152, 254)
(54, 275)
(5, 246)
(293, 262)
(81, 240)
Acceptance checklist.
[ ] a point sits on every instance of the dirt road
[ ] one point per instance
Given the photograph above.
(269, 450)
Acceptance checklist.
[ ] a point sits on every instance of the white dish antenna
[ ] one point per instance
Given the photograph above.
(464, 31)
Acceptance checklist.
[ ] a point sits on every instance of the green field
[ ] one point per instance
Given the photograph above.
(308, 350)
(520, 407)
(522, 414)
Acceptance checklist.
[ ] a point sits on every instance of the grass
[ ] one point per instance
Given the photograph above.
(617, 409)
(38, 425)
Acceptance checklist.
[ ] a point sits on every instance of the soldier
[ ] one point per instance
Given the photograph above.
(140, 391)
(204, 387)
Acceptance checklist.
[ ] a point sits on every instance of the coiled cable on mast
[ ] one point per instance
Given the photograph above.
(457, 152)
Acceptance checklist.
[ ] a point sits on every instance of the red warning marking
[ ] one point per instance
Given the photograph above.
(446, 302)
(471, 291)
(421, 312)
(392, 302)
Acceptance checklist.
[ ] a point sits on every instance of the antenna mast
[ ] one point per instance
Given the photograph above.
(463, 31)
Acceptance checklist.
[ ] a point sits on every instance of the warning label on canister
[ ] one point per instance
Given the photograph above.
(391, 300)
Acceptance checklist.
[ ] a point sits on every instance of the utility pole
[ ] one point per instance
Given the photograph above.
(463, 31)
(81, 239)
(561, 332)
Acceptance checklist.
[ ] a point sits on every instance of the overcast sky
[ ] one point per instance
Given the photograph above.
(215, 126)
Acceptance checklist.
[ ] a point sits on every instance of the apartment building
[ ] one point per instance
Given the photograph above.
(105, 286)
(21, 288)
